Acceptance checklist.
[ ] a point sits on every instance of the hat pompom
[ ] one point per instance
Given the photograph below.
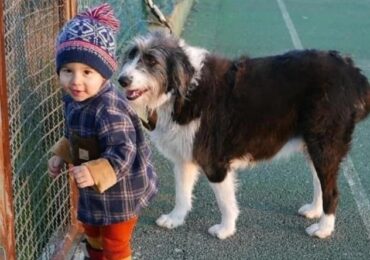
(104, 14)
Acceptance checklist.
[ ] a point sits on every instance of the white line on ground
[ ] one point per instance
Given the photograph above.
(289, 24)
(354, 182)
(350, 173)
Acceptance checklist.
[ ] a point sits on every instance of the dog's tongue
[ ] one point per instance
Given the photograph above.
(133, 94)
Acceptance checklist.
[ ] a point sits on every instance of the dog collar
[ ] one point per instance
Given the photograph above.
(151, 121)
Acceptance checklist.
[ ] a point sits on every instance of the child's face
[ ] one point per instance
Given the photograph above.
(80, 81)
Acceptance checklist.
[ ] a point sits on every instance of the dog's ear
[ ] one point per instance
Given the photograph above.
(180, 75)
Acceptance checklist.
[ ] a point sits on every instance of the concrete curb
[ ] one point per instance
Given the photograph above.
(177, 18)
(179, 15)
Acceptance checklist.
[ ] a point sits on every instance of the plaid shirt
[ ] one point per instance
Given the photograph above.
(108, 117)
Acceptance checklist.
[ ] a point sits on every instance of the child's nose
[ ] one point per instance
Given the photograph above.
(76, 78)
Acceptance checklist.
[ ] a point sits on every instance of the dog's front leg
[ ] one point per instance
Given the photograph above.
(186, 175)
(226, 200)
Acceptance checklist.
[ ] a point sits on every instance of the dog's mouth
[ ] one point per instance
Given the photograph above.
(135, 93)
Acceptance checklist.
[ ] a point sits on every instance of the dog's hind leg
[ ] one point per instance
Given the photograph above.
(327, 171)
(226, 200)
(186, 175)
(327, 149)
(314, 209)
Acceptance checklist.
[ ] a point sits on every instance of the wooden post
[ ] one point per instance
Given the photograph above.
(7, 238)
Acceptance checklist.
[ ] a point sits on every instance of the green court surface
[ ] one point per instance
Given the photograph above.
(270, 194)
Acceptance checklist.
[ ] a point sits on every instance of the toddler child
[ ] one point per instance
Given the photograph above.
(103, 143)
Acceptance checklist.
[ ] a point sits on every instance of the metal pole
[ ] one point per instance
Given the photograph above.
(75, 230)
(7, 238)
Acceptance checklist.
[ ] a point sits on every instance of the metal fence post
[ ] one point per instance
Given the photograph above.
(70, 10)
(7, 238)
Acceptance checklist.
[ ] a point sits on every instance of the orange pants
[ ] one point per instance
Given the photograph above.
(111, 242)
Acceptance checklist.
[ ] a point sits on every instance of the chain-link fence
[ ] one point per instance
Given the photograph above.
(41, 206)
(43, 209)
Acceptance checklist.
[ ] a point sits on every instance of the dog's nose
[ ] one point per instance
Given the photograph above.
(124, 81)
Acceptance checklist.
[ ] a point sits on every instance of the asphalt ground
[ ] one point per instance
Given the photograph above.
(271, 193)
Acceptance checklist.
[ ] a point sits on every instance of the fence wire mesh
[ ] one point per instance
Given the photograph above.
(132, 17)
(42, 206)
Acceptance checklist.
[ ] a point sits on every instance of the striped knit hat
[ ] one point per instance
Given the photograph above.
(89, 38)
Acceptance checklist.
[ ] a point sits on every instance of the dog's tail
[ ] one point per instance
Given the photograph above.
(363, 107)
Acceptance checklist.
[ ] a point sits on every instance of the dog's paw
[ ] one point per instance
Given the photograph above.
(310, 211)
(324, 228)
(220, 231)
(316, 231)
(169, 221)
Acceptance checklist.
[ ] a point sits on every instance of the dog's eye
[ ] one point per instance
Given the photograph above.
(132, 53)
(149, 60)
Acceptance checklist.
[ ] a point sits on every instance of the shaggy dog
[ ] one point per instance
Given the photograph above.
(215, 115)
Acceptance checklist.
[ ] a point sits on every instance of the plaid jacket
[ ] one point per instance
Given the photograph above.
(116, 127)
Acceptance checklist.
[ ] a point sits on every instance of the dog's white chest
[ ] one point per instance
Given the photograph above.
(175, 141)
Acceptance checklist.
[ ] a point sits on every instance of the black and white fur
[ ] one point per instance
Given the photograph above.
(216, 115)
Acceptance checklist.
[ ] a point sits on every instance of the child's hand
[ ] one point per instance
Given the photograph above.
(82, 176)
(55, 165)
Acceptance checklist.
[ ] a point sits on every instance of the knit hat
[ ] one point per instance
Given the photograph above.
(89, 38)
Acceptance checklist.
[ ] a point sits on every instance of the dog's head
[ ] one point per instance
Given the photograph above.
(155, 70)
